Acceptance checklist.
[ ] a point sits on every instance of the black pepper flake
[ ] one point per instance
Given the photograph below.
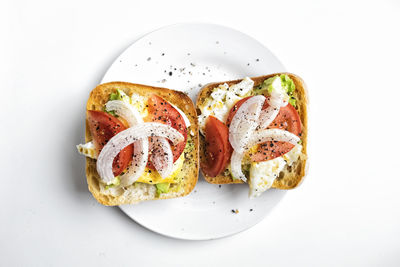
(170, 73)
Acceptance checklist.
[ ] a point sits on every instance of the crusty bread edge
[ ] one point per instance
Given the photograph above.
(302, 96)
(97, 99)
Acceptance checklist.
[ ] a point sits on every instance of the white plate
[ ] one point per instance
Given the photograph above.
(185, 57)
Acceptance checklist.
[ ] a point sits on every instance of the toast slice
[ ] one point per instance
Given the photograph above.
(291, 176)
(142, 191)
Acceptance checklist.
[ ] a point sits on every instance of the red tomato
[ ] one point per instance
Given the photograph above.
(218, 151)
(288, 119)
(163, 112)
(103, 127)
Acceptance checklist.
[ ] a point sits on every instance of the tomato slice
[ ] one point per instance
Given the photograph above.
(103, 127)
(218, 151)
(163, 112)
(287, 119)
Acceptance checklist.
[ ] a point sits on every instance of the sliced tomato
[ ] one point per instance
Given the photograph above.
(287, 119)
(163, 112)
(218, 151)
(103, 127)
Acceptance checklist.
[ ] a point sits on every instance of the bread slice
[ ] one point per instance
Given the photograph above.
(141, 191)
(291, 176)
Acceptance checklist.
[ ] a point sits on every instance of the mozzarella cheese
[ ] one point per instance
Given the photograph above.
(263, 174)
(222, 99)
(139, 102)
(87, 150)
(242, 88)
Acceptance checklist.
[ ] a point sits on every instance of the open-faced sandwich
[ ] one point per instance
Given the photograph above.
(141, 143)
(254, 130)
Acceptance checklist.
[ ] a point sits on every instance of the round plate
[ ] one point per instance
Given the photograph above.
(185, 57)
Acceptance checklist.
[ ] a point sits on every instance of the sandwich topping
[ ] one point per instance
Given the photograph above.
(258, 130)
(137, 139)
(129, 136)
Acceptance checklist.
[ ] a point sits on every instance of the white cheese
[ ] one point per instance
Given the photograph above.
(87, 150)
(139, 102)
(222, 99)
(264, 173)
(242, 88)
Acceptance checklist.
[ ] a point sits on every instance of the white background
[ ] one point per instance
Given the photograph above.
(347, 212)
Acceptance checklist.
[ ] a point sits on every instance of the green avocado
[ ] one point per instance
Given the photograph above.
(119, 95)
(286, 83)
(115, 182)
(162, 188)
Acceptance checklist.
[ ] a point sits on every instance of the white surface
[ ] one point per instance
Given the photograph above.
(185, 56)
(346, 213)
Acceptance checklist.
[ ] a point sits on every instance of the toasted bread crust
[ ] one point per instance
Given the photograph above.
(292, 176)
(98, 98)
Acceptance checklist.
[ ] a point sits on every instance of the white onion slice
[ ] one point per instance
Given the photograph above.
(141, 148)
(138, 164)
(125, 110)
(161, 156)
(244, 122)
(267, 116)
(127, 137)
(236, 166)
(265, 135)
(259, 137)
